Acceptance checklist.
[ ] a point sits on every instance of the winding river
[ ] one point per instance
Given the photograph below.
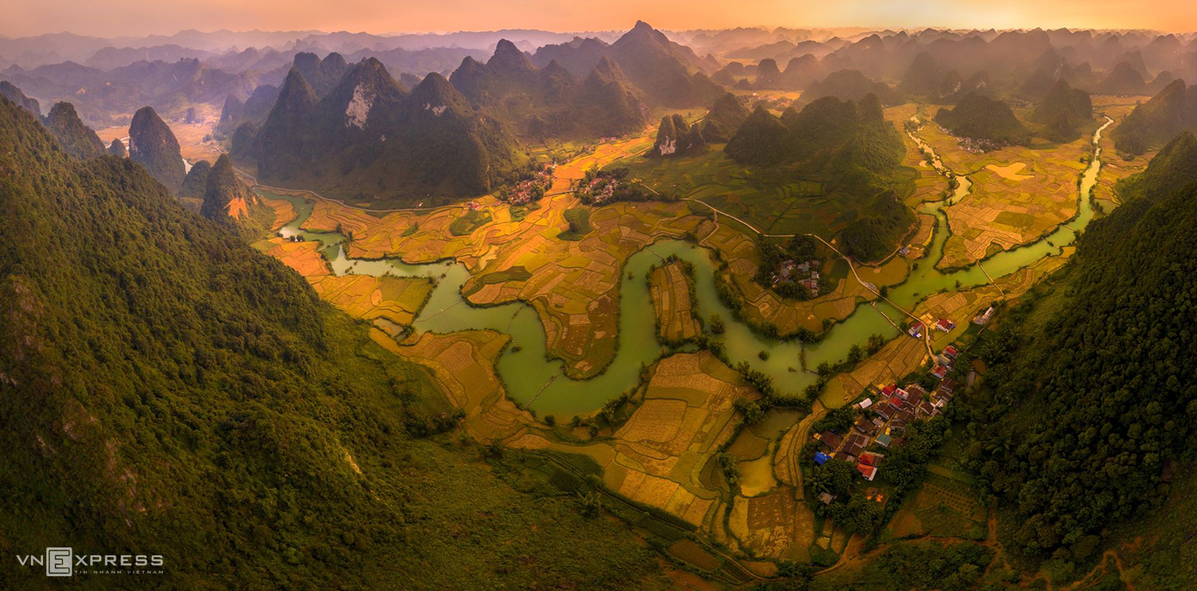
(536, 382)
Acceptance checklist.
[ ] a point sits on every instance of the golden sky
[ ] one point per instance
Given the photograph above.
(139, 17)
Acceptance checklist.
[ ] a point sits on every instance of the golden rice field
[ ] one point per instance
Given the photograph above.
(573, 285)
(670, 289)
(1009, 205)
(396, 299)
(658, 455)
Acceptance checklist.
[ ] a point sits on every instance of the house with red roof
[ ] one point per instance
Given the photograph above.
(869, 472)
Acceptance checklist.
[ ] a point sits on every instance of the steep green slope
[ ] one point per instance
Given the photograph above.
(1063, 98)
(1174, 167)
(79, 140)
(15, 95)
(1089, 396)
(551, 102)
(724, 118)
(1158, 120)
(982, 118)
(675, 137)
(228, 201)
(166, 389)
(196, 181)
(847, 146)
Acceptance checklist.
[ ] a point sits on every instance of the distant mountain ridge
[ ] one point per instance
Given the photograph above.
(670, 74)
(550, 102)
(370, 139)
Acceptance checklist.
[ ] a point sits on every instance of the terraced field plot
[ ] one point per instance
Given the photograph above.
(671, 288)
(1005, 208)
(946, 505)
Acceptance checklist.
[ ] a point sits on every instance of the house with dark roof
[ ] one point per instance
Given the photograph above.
(831, 440)
(914, 400)
(856, 443)
(884, 410)
(926, 409)
(865, 426)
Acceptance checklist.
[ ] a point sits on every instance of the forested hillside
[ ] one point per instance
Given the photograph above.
(1090, 401)
(847, 145)
(166, 389)
(982, 118)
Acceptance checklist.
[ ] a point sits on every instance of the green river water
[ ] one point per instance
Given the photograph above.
(535, 381)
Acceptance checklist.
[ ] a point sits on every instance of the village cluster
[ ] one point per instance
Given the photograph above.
(532, 189)
(805, 274)
(881, 419)
(601, 189)
(885, 411)
(974, 145)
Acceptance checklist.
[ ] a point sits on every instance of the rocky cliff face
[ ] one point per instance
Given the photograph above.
(227, 200)
(153, 145)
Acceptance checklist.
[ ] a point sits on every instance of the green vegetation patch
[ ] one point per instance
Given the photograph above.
(472, 220)
(578, 219)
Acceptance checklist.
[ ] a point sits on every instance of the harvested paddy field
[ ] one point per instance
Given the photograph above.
(464, 363)
(659, 456)
(394, 299)
(900, 356)
(672, 289)
(776, 525)
(1019, 194)
(572, 284)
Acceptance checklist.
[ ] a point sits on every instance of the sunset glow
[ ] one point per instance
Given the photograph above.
(142, 17)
